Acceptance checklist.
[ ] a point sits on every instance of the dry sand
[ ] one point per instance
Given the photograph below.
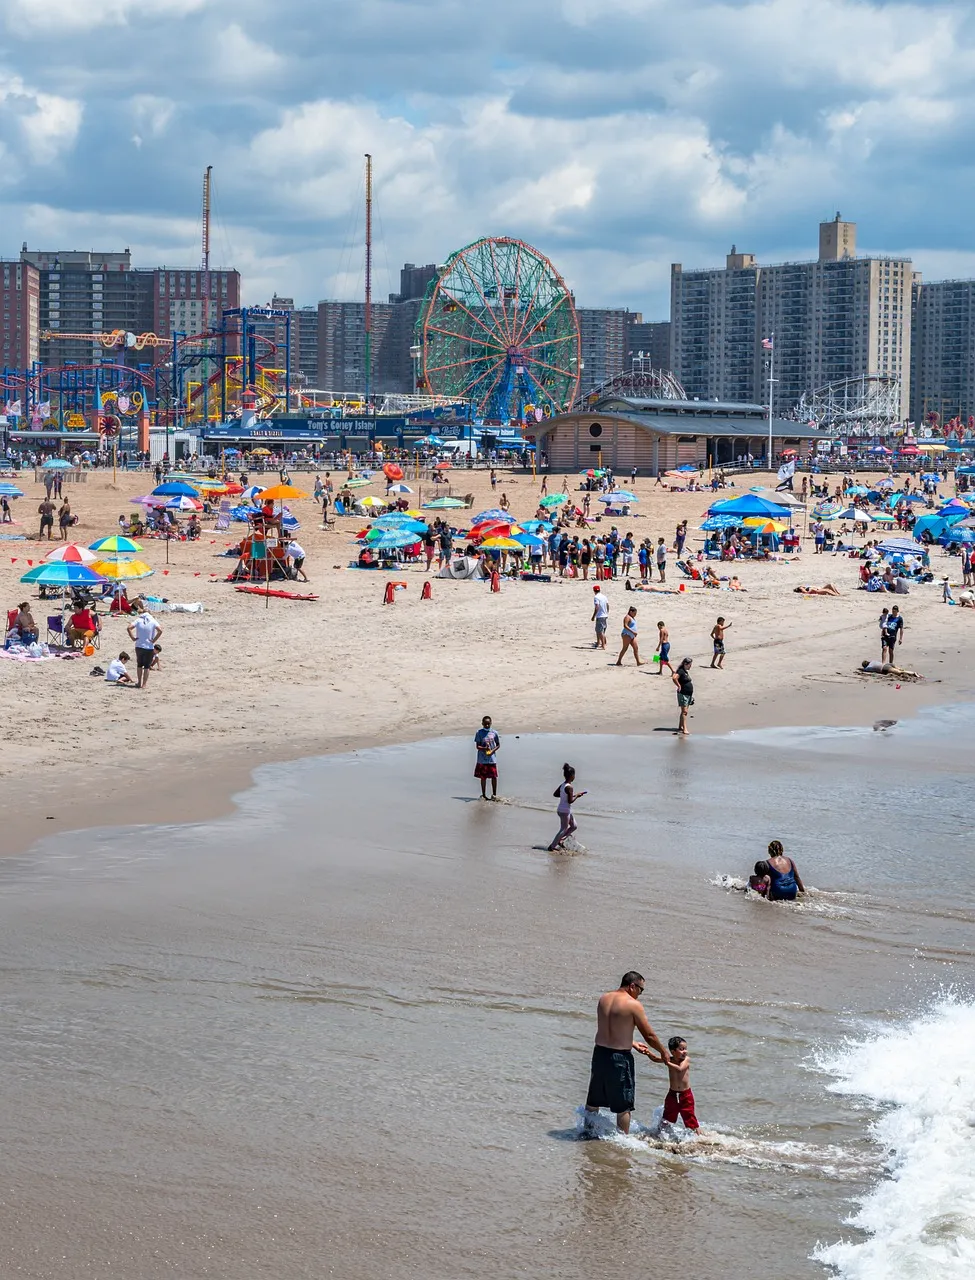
(244, 683)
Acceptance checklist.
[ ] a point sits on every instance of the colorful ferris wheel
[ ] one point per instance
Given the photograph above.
(498, 328)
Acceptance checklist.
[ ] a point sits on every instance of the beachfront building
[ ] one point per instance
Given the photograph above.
(659, 435)
(832, 320)
(648, 341)
(943, 373)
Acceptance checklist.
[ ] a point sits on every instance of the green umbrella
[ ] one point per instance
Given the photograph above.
(553, 500)
(441, 504)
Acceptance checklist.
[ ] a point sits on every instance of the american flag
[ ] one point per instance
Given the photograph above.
(767, 344)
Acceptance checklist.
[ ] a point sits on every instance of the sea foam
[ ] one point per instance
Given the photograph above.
(920, 1221)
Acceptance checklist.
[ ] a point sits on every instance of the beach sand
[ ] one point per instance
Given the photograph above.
(244, 684)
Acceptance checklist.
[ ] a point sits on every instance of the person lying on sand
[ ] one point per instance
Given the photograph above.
(869, 668)
(735, 584)
(827, 589)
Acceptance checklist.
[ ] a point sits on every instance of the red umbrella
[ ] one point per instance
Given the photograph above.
(442, 466)
(392, 471)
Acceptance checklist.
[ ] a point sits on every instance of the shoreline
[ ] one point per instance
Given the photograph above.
(202, 786)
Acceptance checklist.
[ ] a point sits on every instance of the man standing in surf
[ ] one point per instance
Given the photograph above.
(612, 1081)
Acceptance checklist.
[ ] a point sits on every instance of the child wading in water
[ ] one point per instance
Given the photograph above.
(566, 796)
(679, 1100)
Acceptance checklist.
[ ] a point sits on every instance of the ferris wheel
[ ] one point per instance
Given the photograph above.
(498, 328)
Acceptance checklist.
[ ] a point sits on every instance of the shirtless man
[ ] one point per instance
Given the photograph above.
(663, 648)
(612, 1082)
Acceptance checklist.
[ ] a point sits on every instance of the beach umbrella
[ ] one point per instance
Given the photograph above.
(8, 490)
(395, 518)
(261, 453)
(749, 504)
(399, 488)
(357, 482)
(528, 539)
(443, 504)
(618, 495)
(714, 523)
(63, 573)
(553, 500)
(393, 471)
(783, 498)
(280, 492)
(71, 553)
(857, 491)
(934, 478)
(187, 476)
(178, 489)
(885, 483)
(537, 526)
(149, 501)
(57, 464)
(211, 486)
(442, 466)
(393, 540)
(184, 504)
(250, 493)
(501, 543)
(957, 534)
(117, 544)
(760, 524)
(495, 513)
(371, 501)
(122, 570)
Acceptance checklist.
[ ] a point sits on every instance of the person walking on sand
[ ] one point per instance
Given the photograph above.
(663, 648)
(544, 489)
(612, 1077)
(46, 512)
(662, 559)
(600, 616)
(145, 631)
(566, 796)
(717, 637)
(629, 637)
(892, 634)
(685, 692)
(488, 744)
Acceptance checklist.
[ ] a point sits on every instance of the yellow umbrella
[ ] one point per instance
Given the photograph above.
(280, 492)
(261, 453)
(764, 525)
(122, 570)
(370, 501)
(209, 486)
(502, 544)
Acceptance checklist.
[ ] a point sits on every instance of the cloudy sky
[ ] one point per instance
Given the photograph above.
(615, 135)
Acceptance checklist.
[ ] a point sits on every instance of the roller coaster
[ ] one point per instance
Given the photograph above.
(188, 380)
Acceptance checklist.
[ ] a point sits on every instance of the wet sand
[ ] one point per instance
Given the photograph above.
(345, 1030)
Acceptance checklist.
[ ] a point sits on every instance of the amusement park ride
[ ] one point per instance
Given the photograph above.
(497, 334)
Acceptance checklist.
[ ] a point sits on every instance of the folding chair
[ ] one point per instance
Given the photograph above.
(339, 507)
(11, 626)
(56, 631)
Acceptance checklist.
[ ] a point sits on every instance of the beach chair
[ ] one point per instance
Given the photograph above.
(56, 633)
(339, 507)
(11, 626)
(223, 516)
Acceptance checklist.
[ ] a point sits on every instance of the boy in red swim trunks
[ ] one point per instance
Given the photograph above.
(679, 1100)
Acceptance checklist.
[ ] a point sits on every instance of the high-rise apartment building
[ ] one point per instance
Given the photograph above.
(86, 293)
(943, 351)
(20, 298)
(649, 340)
(342, 347)
(306, 342)
(604, 342)
(840, 317)
(413, 281)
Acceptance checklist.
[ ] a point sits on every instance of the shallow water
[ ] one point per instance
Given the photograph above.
(346, 1031)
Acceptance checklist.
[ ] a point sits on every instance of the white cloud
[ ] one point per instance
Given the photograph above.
(43, 123)
(72, 15)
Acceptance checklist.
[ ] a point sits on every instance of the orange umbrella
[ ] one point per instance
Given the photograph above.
(392, 471)
(442, 466)
(280, 492)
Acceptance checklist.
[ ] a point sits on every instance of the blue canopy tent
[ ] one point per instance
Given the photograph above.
(750, 504)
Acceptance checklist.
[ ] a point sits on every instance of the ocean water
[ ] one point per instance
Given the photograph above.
(346, 1030)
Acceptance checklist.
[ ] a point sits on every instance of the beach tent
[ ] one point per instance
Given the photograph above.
(749, 504)
(902, 547)
(461, 567)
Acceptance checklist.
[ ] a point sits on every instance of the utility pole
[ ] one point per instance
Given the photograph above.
(771, 393)
(368, 316)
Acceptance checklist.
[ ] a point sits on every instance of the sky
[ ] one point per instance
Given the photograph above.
(617, 136)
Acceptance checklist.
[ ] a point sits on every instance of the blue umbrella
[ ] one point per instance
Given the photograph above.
(713, 523)
(392, 539)
(749, 504)
(494, 514)
(63, 573)
(57, 464)
(401, 526)
(10, 491)
(175, 489)
(534, 526)
(934, 477)
(619, 495)
(528, 540)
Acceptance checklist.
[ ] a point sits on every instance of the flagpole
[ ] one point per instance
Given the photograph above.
(771, 393)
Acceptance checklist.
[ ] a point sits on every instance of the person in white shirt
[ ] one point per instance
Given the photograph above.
(116, 673)
(145, 631)
(296, 555)
(600, 616)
